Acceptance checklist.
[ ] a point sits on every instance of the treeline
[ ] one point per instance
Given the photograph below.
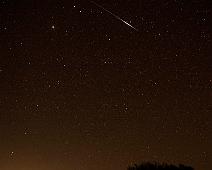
(159, 166)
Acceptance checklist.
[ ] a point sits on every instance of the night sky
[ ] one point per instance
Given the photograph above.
(82, 90)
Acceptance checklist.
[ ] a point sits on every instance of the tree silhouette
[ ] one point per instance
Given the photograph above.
(158, 166)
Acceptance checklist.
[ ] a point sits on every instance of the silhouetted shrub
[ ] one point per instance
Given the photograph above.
(158, 166)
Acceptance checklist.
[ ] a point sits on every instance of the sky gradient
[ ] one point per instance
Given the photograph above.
(81, 90)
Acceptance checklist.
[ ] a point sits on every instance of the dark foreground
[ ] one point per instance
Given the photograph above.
(158, 166)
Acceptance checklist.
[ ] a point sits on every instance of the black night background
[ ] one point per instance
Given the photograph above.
(102, 85)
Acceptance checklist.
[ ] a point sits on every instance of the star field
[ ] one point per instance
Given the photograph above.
(81, 90)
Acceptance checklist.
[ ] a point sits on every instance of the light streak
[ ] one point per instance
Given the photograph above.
(116, 16)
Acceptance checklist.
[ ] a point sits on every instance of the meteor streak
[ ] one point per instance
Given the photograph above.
(116, 16)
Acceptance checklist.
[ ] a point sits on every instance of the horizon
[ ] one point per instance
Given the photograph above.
(81, 89)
